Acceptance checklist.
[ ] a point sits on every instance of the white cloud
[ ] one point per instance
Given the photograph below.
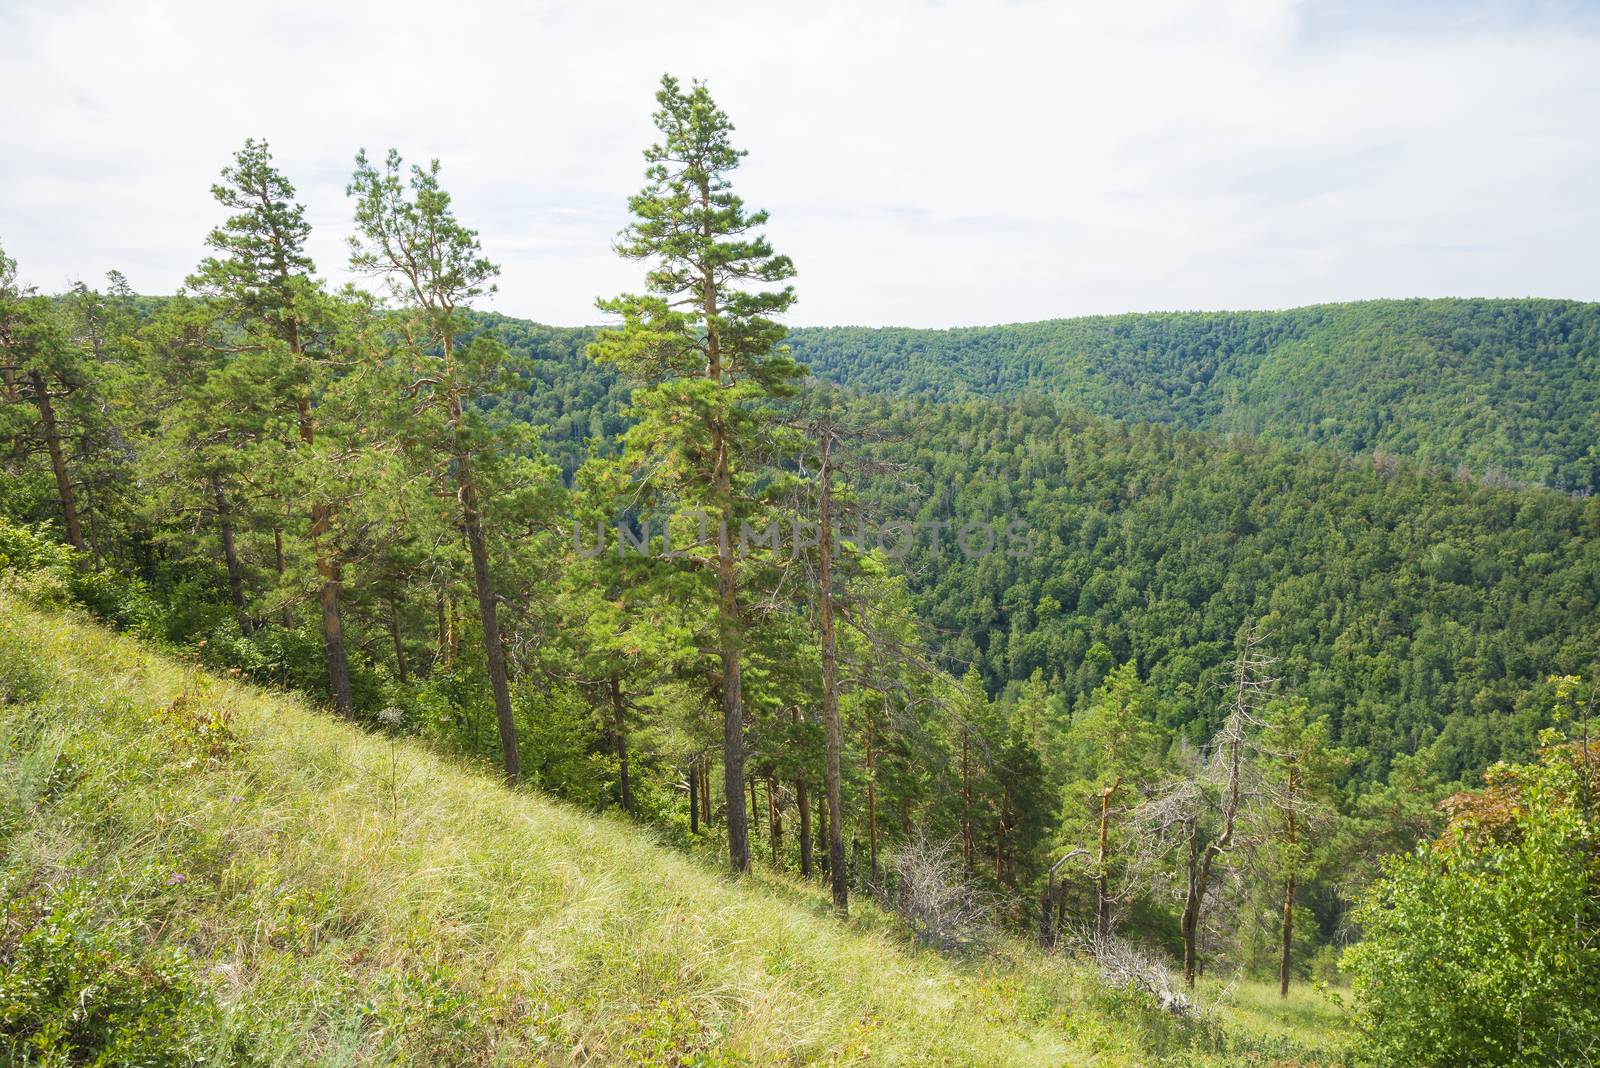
(925, 163)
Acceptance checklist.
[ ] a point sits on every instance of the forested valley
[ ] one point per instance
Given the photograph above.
(1233, 648)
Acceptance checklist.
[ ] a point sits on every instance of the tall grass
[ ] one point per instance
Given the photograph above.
(348, 900)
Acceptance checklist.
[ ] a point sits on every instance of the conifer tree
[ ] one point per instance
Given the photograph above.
(704, 352)
(264, 280)
(1301, 766)
(42, 370)
(434, 267)
(1114, 744)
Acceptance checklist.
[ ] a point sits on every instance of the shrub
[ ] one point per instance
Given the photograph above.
(46, 572)
(1483, 947)
(426, 1015)
(35, 566)
(23, 548)
(73, 993)
(118, 599)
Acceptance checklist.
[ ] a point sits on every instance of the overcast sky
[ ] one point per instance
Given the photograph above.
(925, 164)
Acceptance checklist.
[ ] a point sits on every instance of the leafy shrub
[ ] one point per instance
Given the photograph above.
(202, 726)
(72, 992)
(427, 1016)
(24, 548)
(119, 599)
(34, 566)
(1483, 947)
(46, 572)
(670, 1032)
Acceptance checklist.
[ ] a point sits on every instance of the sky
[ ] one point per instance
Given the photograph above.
(925, 164)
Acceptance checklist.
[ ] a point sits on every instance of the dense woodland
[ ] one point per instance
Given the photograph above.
(1503, 389)
(1224, 680)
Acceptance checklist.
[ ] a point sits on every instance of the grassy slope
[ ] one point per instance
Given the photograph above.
(354, 900)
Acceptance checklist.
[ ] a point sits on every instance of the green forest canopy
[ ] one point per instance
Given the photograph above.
(1508, 388)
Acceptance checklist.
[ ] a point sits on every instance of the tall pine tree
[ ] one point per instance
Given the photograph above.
(263, 278)
(705, 355)
(434, 266)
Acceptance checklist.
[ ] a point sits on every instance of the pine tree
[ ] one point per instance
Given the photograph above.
(43, 370)
(434, 266)
(1114, 746)
(1301, 766)
(704, 352)
(264, 281)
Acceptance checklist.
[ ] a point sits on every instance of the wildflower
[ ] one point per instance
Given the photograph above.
(392, 716)
(177, 878)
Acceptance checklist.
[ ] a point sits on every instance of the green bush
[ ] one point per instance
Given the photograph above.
(426, 1015)
(34, 565)
(1483, 948)
(73, 992)
(23, 548)
(118, 599)
(46, 572)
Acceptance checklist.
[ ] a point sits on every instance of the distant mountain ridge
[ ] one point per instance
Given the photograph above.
(1507, 388)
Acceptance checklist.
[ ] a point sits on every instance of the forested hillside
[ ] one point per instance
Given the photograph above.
(1409, 605)
(1414, 602)
(1507, 388)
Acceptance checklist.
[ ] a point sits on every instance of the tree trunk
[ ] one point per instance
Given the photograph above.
(1288, 899)
(830, 682)
(328, 572)
(732, 684)
(619, 732)
(230, 553)
(1102, 901)
(395, 636)
(755, 798)
(58, 460)
(705, 790)
(94, 528)
(329, 575)
(284, 619)
(824, 833)
(775, 818)
(966, 800)
(872, 800)
(488, 615)
(803, 806)
(1000, 842)
(728, 626)
(333, 635)
(439, 636)
(694, 796)
(1288, 936)
(1200, 859)
(1189, 922)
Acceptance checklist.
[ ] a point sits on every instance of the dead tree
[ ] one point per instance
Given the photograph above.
(1200, 813)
